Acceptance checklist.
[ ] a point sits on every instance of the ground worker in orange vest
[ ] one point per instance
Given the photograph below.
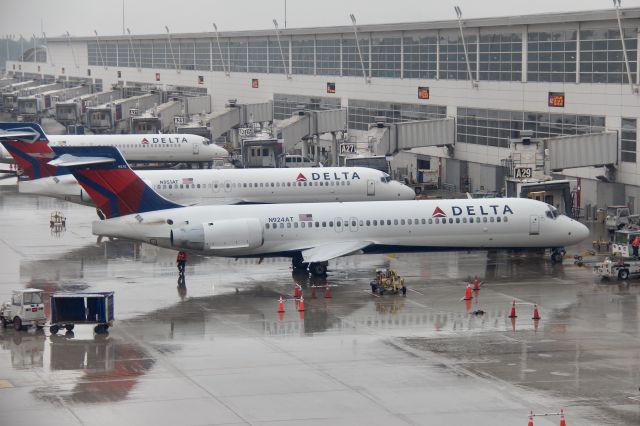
(181, 259)
(635, 244)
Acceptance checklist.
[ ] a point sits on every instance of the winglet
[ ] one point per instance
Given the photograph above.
(28, 145)
(105, 175)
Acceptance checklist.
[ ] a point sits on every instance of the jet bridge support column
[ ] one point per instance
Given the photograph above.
(335, 151)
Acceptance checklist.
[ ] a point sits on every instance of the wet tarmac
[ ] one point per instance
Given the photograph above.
(217, 352)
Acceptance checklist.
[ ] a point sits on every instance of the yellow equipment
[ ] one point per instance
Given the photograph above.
(388, 280)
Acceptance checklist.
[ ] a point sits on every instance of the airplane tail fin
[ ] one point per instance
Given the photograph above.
(28, 145)
(105, 175)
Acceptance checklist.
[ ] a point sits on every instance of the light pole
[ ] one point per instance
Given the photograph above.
(35, 48)
(99, 49)
(474, 83)
(355, 33)
(224, 67)
(133, 53)
(175, 64)
(634, 88)
(284, 66)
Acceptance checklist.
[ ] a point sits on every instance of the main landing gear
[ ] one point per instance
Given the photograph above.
(557, 254)
(319, 269)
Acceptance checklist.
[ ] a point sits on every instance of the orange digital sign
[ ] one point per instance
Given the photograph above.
(556, 99)
(423, 92)
(331, 88)
(255, 83)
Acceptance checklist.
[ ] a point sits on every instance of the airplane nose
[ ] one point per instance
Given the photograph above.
(582, 232)
(406, 193)
(576, 230)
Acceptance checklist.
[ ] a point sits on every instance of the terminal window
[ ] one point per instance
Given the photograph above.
(628, 140)
(602, 58)
(552, 56)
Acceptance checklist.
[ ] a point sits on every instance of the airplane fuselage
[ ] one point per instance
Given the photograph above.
(389, 226)
(237, 186)
(147, 148)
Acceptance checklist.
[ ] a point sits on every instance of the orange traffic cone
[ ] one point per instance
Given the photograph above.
(476, 284)
(467, 293)
(530, 419)
(301, 305)
(513, 310)
(281, 305)
(296, 291)
(562, 420)
(536, 315)
(327, 292)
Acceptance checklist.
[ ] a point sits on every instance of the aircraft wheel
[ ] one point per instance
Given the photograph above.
(318, 269)
(69, 327)
(54, 329)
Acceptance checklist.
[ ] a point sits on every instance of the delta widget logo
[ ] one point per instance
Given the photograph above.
(301, 178)
(145, 141)
(438, 213)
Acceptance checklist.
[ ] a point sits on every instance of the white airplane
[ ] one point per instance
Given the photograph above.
(147, 148)
(208, 186)
(313, 234)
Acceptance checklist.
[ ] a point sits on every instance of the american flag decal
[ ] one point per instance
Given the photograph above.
(187, 181)
(305, 217)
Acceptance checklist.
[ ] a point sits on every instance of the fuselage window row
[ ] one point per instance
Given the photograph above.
(252, 185)
(381, 222)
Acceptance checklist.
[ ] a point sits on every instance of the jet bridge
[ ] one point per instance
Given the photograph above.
(74, 110)
(388, 139)
(159, 119)
(594, 149)
(237, 115)
(309, 123)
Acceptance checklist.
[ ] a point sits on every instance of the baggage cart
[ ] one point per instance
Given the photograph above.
(69, 309)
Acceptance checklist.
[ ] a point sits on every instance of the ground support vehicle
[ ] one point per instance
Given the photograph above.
(69, 309)
(387, 280)
(619, 268)
(24, 310)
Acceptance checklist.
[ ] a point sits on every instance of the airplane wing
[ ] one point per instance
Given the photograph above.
(328, 251)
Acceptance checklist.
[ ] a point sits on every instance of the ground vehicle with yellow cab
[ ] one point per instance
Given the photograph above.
(387, 280)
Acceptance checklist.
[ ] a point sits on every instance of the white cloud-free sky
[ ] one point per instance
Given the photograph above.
(82, 17)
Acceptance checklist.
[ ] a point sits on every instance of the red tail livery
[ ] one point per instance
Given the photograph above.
(105, 175)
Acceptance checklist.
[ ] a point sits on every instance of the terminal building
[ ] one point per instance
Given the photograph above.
(548, 77)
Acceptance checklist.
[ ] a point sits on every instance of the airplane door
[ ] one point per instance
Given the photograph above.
(353, 224)
(371, 187)
(338, 224)
(534, 225)
(196, 149)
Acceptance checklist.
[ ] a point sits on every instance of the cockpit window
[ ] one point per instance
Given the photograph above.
(552, 212)
(385, 178)
(206, 141)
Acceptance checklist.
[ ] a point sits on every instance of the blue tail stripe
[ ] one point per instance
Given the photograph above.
(113, 199)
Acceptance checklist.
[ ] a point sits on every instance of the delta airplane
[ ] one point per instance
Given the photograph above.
(313, 234)
(143, 148)
(208, 186)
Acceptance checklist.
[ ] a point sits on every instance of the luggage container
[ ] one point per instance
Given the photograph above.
(69, 309)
